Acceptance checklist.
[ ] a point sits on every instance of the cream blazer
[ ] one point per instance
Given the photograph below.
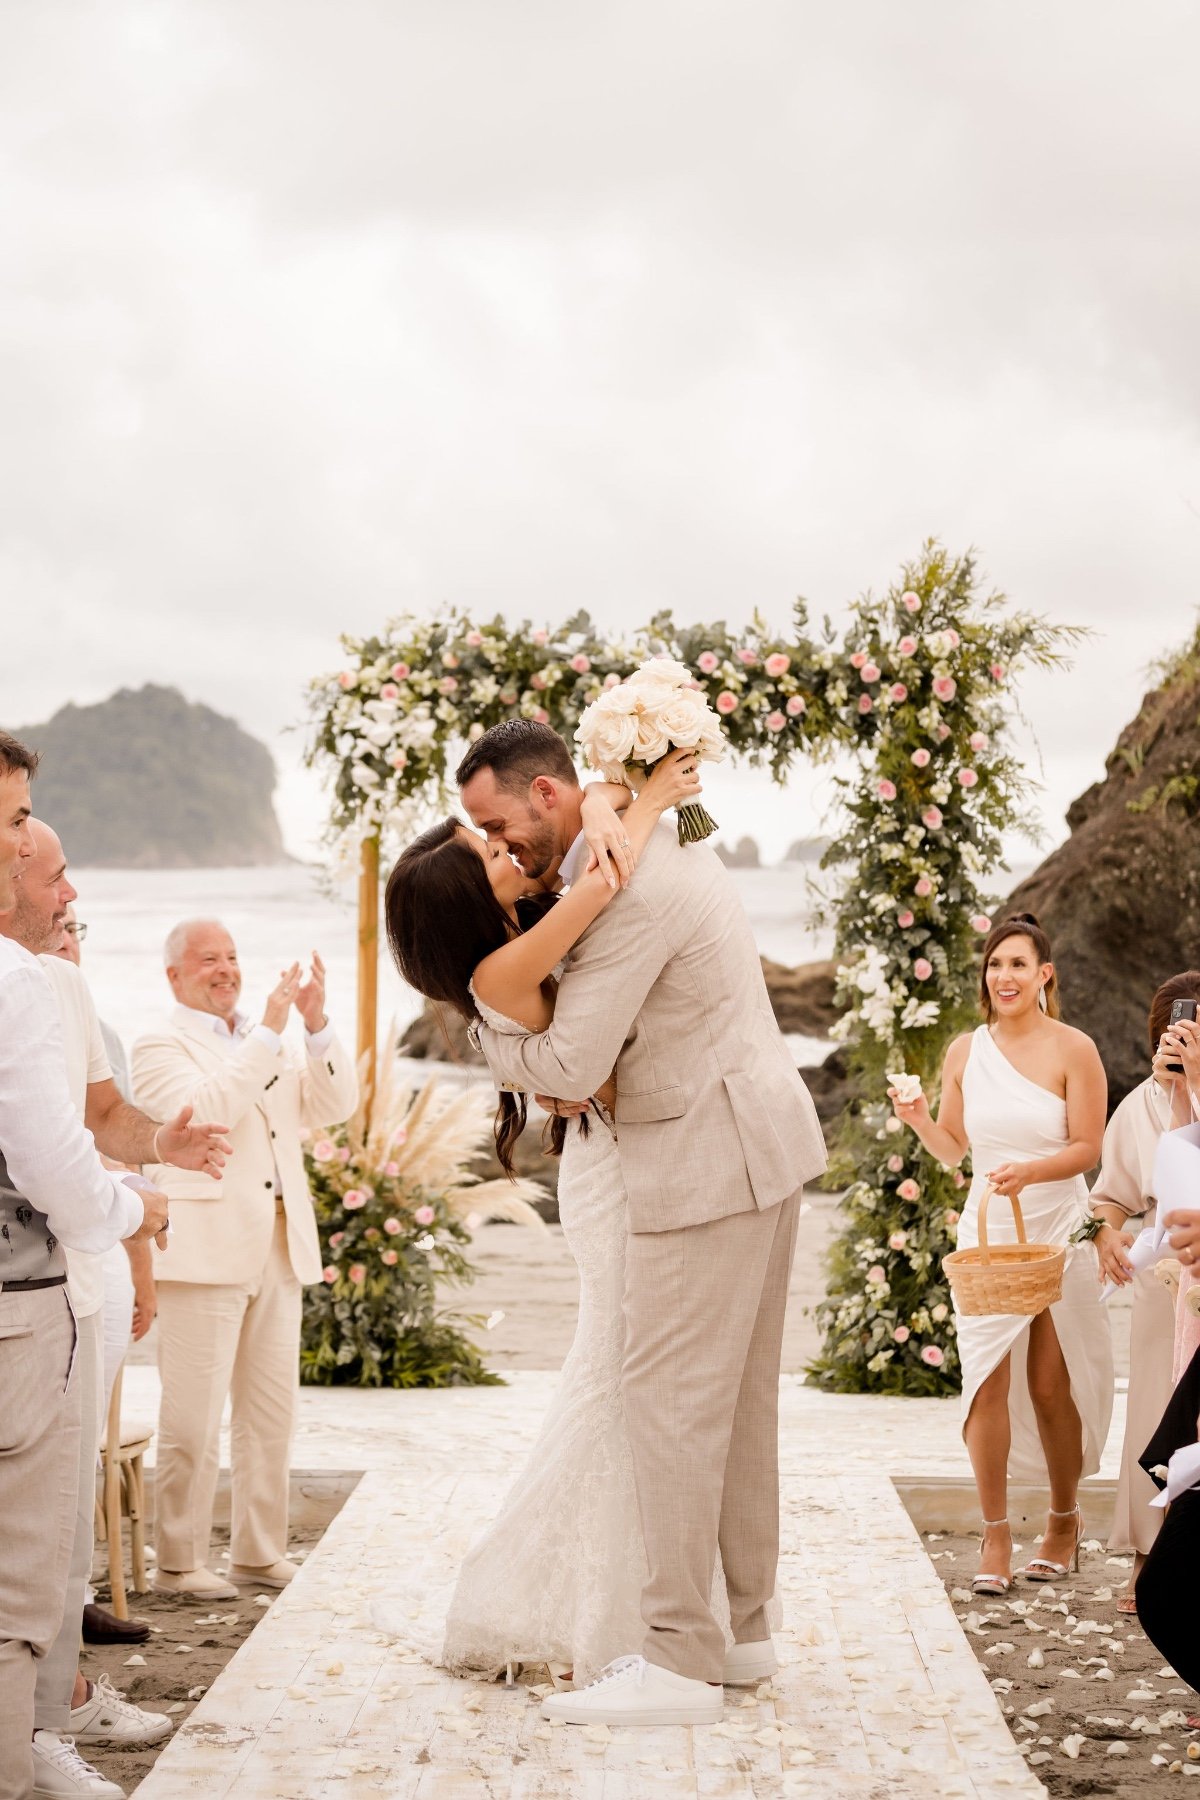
(221, 1231)
(667, 988)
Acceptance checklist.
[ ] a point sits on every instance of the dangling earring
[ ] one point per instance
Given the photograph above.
(1042, 998)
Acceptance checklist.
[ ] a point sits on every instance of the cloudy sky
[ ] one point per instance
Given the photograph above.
(313, 312)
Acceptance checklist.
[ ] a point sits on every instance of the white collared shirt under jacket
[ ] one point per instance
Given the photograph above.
(51, 1156)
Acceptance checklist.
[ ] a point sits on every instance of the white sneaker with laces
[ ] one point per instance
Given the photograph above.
(632, 1691)
(60, 1773)
(107, 1717)
(747, 1663)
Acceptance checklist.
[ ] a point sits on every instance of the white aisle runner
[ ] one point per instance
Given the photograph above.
(879, 1696)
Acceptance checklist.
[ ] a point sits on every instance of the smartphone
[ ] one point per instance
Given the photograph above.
(1181, 1009)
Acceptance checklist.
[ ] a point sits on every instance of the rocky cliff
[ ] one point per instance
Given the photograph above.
(1121, 898)
(149, 780)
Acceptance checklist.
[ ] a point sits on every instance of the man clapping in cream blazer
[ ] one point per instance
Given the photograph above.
(241, 1249)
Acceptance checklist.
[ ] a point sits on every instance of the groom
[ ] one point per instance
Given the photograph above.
(716, 1134)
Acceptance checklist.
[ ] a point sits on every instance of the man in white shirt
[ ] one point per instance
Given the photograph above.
(229, 1287)
(65, 1702)
(54, 1192)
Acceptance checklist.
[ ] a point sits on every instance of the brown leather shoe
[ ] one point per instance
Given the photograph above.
(100, 1627)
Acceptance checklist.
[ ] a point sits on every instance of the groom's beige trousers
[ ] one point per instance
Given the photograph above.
(704, 1312)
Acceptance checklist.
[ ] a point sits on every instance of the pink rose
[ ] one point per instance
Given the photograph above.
(474, 639)
(508, 697)
(858, 660)
(932, 1355)
(979, 740)
(345, 679)
(908, 646)
(904, 919)
(612, 681)
(336, 1238)
(353, 1198)
(943, 732)
(922, 758)
(931, 818)
(945, 687)
(897, 1240)
(541, 637)
(953, 639)
(424, 1215)
(726, 702)
(389, 691)
(796, 705)
(776, 721)
(898, 691)
(708, 661)
(923, 888)
(895, 1164)
(901, 1334)
(449, 660)
(951, 1218)
(329, 1274)
(581, 663)
(886, 789)
(922, 968)
(391, 1170)
(865, 703)
(541, 716)
(959, 1179)
(981, 923)
(910, 602)
(323, 1151)
(400, 671)
(747, 658)
(778, 663)
(908, 1190)
(357, 1272)
(876, 1274)
(538, 681)
(448, 685)
(392, 1227)
(869, 672)
(343, 1154)
(997, 671)
(968, 778)
(390, 1257)
(399, 759)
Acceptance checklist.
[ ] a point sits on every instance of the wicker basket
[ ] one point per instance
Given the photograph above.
(1005, 1278)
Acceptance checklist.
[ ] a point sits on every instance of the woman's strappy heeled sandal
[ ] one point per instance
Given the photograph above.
(1041, 1568)
(993, 1586)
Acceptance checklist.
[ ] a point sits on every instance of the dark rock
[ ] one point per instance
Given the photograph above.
(743, 855)
(802, 997)
(1121, 898)
(439, 1033)
(832, 1090)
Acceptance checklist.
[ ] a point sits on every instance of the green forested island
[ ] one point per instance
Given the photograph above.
(149, 780)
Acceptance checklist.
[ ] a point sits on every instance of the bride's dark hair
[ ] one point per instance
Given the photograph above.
(1017, 925)
(442, 919)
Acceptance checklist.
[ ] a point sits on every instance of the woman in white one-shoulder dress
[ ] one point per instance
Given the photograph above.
(1025, 1094)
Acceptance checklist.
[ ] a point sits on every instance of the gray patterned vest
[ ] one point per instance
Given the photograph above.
(29, 1250)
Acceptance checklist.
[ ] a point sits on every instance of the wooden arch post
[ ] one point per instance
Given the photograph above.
(368, 965)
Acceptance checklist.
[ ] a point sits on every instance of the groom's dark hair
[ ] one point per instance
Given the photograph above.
(517, 751)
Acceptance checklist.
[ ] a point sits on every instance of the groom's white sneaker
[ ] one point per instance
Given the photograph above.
(632, 1691)
(747, 1663)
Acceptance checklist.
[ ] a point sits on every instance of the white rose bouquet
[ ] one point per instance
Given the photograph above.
(634, 725)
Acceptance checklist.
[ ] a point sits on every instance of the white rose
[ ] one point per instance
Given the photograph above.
(661, 669)
(652, 742)
(607, 737)
(682, 721)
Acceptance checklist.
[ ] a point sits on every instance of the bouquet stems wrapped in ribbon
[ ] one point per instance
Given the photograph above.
(633, 725)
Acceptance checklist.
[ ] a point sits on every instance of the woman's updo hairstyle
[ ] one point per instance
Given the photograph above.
(1017, 925)
(1179, 987)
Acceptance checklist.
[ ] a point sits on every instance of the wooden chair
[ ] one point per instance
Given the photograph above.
(124, 1495)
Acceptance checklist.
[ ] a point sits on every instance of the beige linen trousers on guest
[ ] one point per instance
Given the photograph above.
(717, 1135)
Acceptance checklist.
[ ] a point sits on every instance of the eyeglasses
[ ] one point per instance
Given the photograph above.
(77, 931)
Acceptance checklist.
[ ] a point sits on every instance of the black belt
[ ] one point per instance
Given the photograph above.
(23, 1287)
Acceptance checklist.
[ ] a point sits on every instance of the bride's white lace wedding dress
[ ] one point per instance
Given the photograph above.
(558, 1576)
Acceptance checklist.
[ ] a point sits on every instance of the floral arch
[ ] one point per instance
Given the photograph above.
(919, 692)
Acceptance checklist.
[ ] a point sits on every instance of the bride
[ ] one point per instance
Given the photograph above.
(557, 1578)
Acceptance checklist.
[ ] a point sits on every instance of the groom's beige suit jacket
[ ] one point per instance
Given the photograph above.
(666, 987)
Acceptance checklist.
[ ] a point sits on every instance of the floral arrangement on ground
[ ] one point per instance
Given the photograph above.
(396, 1207)
(920, 695)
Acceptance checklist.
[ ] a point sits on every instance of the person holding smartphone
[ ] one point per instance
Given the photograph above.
(1123, 1193)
